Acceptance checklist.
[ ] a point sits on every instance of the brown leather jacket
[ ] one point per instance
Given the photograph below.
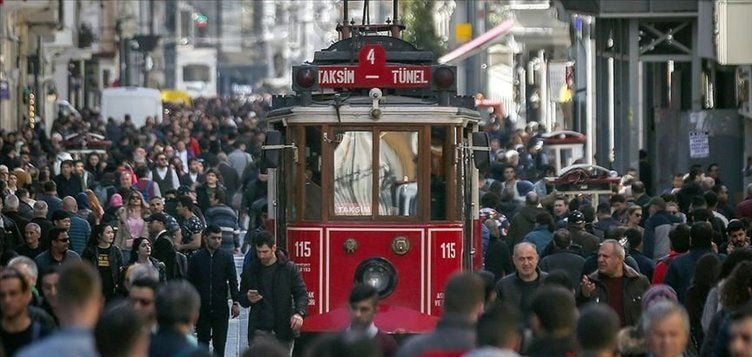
(635, 285)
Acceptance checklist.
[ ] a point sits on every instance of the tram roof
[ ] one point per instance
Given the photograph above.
(395, 110)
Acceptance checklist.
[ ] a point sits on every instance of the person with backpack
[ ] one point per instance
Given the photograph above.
(679, 238)
(145, 185)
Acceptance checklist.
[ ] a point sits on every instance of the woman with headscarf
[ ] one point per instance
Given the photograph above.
(110, 214)
(632, 339)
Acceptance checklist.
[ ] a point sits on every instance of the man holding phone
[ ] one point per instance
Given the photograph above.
(274, 290)
(737, 236)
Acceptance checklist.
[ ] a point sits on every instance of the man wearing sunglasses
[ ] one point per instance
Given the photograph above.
(58, 253)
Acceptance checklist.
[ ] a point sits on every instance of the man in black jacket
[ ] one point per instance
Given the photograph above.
(212, 272)
(517, 289)
(564, 257)
(68, 183)
(163, 247)
(274, 290)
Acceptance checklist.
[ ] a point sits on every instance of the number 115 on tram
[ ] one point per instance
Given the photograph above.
(373, 178)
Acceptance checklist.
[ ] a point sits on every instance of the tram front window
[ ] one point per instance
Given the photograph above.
(312, 191)
(439, 141)
(398, 185)
(353, 174)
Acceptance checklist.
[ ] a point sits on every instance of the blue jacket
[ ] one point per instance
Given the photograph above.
(79, 233)
(540, 236)
(72, 341)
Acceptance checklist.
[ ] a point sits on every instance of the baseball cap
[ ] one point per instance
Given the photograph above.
(576, 217)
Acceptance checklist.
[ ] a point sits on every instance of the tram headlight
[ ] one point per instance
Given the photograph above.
(378, 273)
(304, 78)
(443, 78)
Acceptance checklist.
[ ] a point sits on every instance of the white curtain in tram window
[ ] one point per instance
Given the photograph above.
(398, 186)
(353, 174)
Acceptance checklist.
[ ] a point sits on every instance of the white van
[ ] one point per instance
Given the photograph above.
(137, 101)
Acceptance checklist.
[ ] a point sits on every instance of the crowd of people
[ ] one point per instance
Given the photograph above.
(145, 222)
(149, 225)
(667, 273)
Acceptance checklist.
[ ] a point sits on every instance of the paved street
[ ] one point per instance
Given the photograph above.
(237, 341)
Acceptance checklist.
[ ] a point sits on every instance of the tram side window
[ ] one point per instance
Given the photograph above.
(353, 174)
(439, 136)
(398, 178)
(312, 194)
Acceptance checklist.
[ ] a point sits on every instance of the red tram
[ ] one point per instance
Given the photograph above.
(373, 178)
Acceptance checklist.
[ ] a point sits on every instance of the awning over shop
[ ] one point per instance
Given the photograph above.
(478, 43)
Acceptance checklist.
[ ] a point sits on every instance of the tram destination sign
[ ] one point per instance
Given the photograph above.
(372, 71)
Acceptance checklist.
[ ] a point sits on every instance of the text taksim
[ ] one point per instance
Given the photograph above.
(337, 76)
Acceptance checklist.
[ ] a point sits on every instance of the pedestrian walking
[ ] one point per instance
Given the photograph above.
(464, 298)
(212, 272)
(80, 293)
(274, 290)
(615, 284)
